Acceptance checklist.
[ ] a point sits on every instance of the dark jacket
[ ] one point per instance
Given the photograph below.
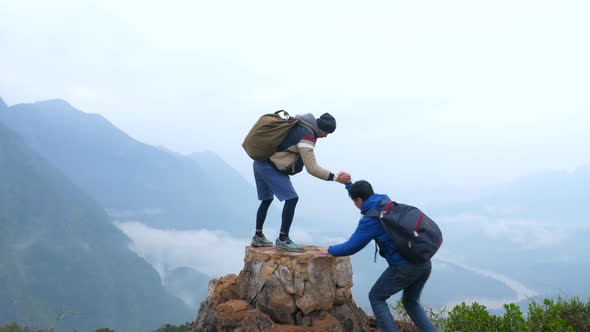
(369, 228)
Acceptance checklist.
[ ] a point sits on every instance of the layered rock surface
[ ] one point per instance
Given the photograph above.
(284, 291)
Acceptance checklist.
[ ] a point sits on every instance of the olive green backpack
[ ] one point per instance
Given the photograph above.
(267, 133)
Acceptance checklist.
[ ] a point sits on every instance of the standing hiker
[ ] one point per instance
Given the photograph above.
(293, 153)
(400, 275)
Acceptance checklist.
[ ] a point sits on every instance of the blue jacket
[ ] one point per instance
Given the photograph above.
(369, 228)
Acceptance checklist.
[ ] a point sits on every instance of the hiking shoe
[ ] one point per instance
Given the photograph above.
(287, 245)
(261, 241)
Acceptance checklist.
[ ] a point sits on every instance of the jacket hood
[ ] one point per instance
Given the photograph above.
(309, 120)
(373, 202)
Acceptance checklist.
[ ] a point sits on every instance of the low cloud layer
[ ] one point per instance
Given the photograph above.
(213, 253)
(216, 253)
(522, 292)
(529, 234)
(147, 212)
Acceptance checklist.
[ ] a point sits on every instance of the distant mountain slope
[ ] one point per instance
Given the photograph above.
(188, 285)
(134, 181)
(548, 195)
(226, 177)
(59, 251)
(533, 229)
(545, 196)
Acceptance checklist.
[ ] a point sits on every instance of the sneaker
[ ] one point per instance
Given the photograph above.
(287, 245)
(261, 241)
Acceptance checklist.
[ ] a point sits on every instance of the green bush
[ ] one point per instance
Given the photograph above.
(576, 313)
(399, 313)
(173, 328)
(474, 317)
(559, 315)
(14, 327)
(512, 321)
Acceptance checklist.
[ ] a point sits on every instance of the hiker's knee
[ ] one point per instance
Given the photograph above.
(375, 295)
(409, 302)
(292, 201)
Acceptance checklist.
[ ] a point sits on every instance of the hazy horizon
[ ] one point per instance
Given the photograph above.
(431, 99)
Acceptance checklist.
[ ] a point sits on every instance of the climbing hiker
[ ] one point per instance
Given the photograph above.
(401, 273)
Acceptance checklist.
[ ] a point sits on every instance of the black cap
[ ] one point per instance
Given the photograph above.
(327, 123)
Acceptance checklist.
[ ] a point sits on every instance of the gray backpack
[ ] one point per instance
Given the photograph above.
(416, 236)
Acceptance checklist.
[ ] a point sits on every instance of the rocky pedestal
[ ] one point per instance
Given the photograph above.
(284, 291)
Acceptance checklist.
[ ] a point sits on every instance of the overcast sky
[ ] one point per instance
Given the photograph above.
(430, 96)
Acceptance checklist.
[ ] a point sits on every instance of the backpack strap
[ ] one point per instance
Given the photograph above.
(285, 113)
(376, 250)
(306, 127)
(382, 208)
(373, 214)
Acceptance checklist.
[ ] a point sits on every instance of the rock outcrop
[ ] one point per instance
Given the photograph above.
(284, 291)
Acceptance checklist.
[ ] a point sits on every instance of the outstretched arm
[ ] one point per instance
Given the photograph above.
(306, 149)
(358, 240)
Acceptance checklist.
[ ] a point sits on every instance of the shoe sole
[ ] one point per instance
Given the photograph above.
(260, 245)
(288, 249)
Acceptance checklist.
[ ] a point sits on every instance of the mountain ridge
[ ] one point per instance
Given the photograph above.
(124, 174)
(59, 251)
